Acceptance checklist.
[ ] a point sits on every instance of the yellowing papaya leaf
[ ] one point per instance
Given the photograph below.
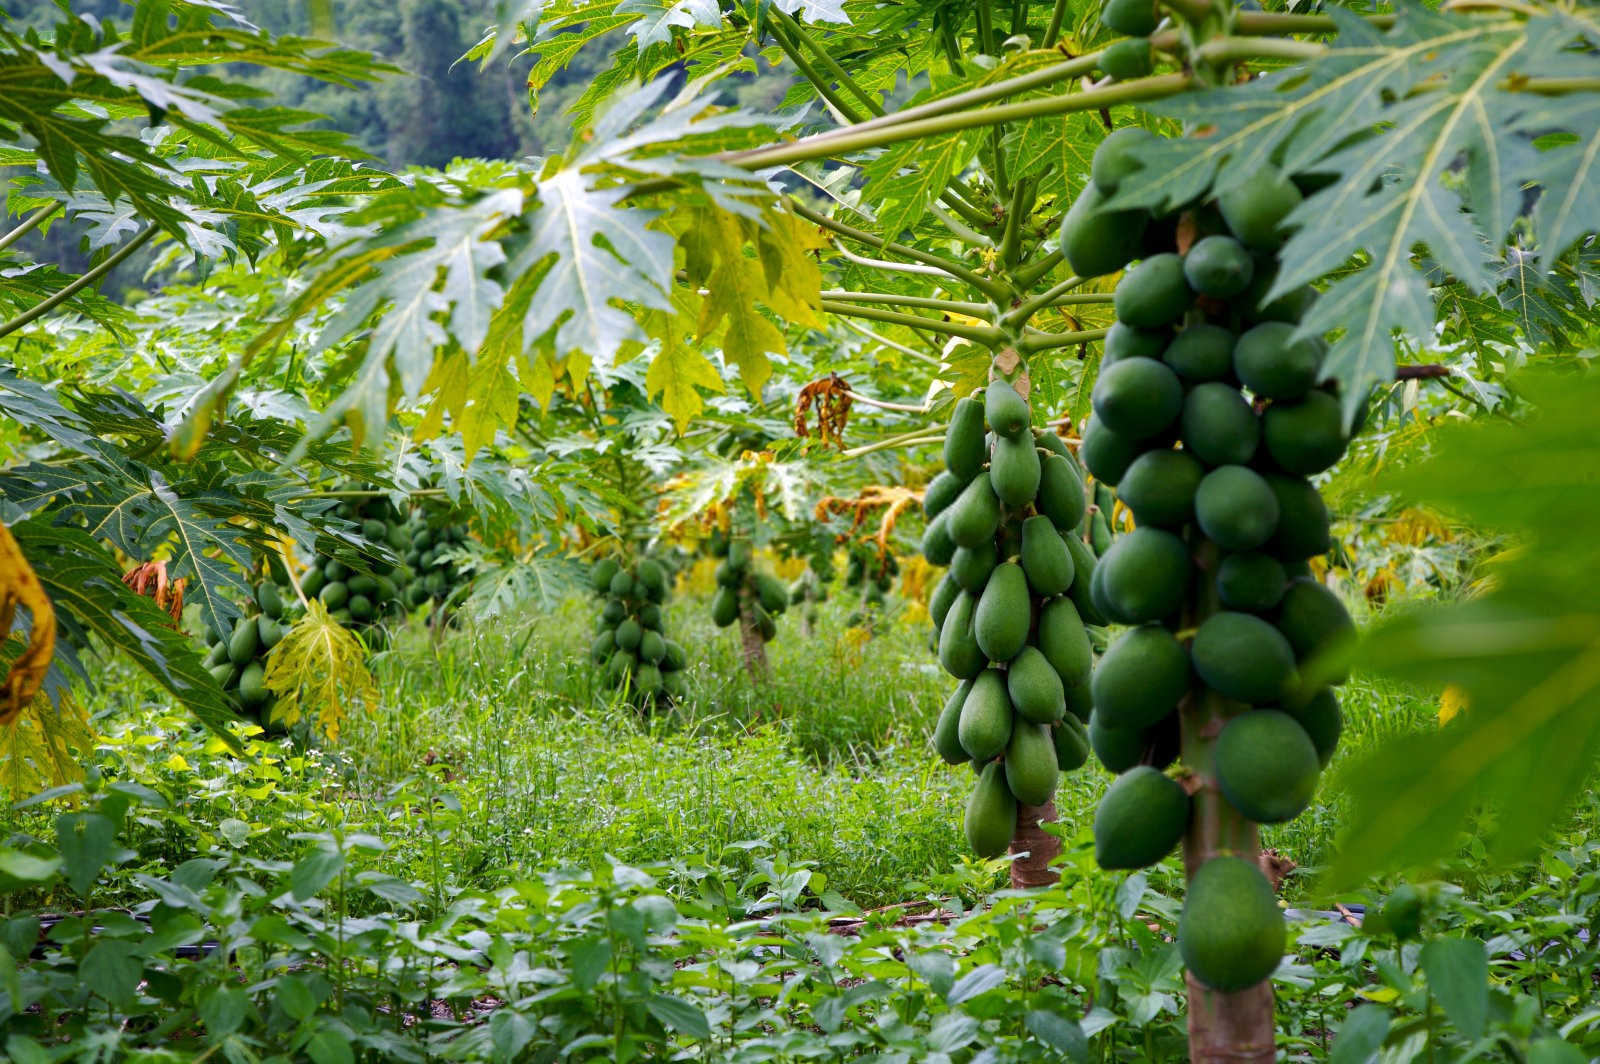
(319, 668)
(675, 373)
(44, 746)
(787, 247)
(737, 286)
(19, 586)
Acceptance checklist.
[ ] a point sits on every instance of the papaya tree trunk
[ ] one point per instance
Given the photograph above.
(1040, 846)
(752, 648)
(1223, 1027)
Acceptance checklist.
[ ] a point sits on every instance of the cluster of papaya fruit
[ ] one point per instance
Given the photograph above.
(629, 645)
(1004, 515)
(238, 658)
(429, 546)
(1209, 416)
(871, 578)
(810, 588)
(744, 590)
(1133, 57)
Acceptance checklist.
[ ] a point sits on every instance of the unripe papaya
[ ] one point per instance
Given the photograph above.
(1118, 749)
(1124, 341)
(1138, 397)
(1272, 364)
(975, 516)
(1235, 508)
(360, 607)
(971, 568)
(613, 612)
(1302, 530)
(1141, 678)
(1064, 643)
(1305, 437)
(1132, 58)
(650, 616)
(1153, 293)
(335, 571)
(267, 598)
(1231, 932)
(1004, 613)
(1031, 769)
(1255, 210)
(1060, 497)
(941, 491)
(603, 645)
(647, 680)
(629, 634)
(622, 584)
(620, 666)
(652, 648)
(268, 631)
(1097, 241)
(1252, 582)
(1144, 575)
(958, 644)
(774, 599)
(1107, 453)
(1319, 716)
(1035, 688)
(1014, 470)
(937, 546)
(943, 597)
(1218, 266)
(1243, 657)
(1218, 426)
(362, 584)
(1083, 568)
(225, 674)
(1047, 439)
(654, 578)
(1266, 766)
(963, 440)
(244, 642)
(1046, 562)
(311, 584)
(991, 816)
(253, 685)
(986, 718)
(1005, 410)
(740, 553)
(1071, 743)
(724, 607)
(675, 658)
(1159, 488)
(1136, 18)
(334, 595)
(1315, 622)
(1141, 818)
(1202, 352)
(218, 655)
(947, 732)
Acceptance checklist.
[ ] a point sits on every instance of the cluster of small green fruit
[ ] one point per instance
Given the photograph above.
(429, 552)
(238, 659)
(1210, 413)
(871, 578)
(744, 590)
(1005, 517)
(629, 646)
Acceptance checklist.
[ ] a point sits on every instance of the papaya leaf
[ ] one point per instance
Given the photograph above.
(676, 372)
(909, 176)
(319, 669)
(1526, 652)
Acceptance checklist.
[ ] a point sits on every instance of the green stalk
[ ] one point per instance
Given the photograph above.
(1272, 23)
(1029, 275)
(948, 306)
(1016, 211)
(111, 262)
(798, 33)
(986, 27)
(1053, 33)
(988, 287)
(1191, 11)
(893, 345)
(1044, 341)
(1020, 314)
(1551, 86)
(983, 334)
(1234, 49)
(29, 224)
(813, 75)
(859, 138)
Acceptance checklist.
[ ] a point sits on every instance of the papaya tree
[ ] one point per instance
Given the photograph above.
(1307, 202)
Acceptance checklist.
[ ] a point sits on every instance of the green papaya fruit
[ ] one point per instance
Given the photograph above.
(675, 658)
(937, 546)
(652, 648)
(603, 645)
(1145, 576)
(1048, 440)
(1083, 569)
(1289, 307)
(253, 685)
(1135, 18)
(1060, 497)
(218, 655)
(1235, 508)
(1004, 613)
(1218, 266)
(943, 597)
(1046, 562)
(650, 616)
(1255, 210)
(1137, 397)
(1071, 743)
(1031, 769)
(335, 571)
(1118, 749)
(1097, 241)
(958, 643)
(1231, 933)
(941, 491)
(740, 553)
(724, 607)
(1218, 426)
(964, 451)
(975, 516)
(1014, 470)
(362, 584)
(244, 642)
(269, 601)
(1140, 679)
(360, 607)
(1314, 621)
(971, 567)
(1201, 352)
(1302, 530)
(613, 611)
(647, 680)
(1123, 60)
(946, 733)
(1064, 643)
(1266, 766)
(1005, 411)
(1159, 488)
(1106, 454)
(986, 720)
(1252, 582)
(311, 584)
(1035, 688)
(629, 634)
(651, 575)
(1241, 656)
(1154, 293)
(1320, 717)
(1305, 437)
(1273, 364)
(334, 595)
(1123, 341)
(224, 674)
(269, 632)
(991, 815)
(1141, 818)
(622, 584)
(774, 599)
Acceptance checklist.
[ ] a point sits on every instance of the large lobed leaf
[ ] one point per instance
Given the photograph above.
(1526, 652)
(1428, 131)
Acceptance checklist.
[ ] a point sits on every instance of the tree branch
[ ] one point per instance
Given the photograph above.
(948, 306)
(988, 287)
(983, 334)
(29, 224)
(1421, 372)
(1043, 341)
(111, 262)
(1020, 314)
